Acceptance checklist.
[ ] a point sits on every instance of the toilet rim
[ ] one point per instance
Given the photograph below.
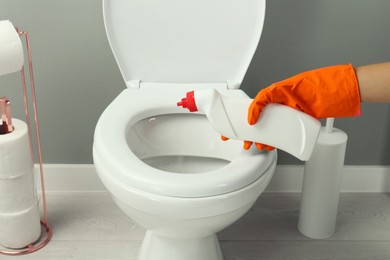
(112, 154)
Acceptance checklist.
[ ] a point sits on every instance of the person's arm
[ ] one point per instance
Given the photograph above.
(335, 91)
(374, 82)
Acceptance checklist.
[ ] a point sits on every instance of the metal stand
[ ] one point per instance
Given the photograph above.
(44, 222)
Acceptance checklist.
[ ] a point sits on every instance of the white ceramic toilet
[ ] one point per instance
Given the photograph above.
(166, 168)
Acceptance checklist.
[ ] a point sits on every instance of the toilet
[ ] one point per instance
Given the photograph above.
(167, 168)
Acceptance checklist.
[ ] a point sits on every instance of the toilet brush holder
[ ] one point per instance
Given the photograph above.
(27, 224)
(321, 184)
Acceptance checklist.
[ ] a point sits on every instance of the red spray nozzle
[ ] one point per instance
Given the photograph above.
(188, 102)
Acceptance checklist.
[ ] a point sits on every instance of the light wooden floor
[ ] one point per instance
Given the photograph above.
(92, 227)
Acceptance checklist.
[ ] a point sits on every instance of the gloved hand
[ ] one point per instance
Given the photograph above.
(325, 92)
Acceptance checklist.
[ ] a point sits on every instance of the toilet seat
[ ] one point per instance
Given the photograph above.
(164, 49)
(113, 155)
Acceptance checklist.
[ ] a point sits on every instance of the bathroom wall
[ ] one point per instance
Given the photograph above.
(77, 76)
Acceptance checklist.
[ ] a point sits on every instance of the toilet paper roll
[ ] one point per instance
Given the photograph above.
(11, 49)
(20, 229)
(18, 193)
(15, 155)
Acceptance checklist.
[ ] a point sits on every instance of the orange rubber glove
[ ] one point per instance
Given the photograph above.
(325, 92)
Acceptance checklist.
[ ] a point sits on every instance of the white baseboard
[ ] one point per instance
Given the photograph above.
(82, 178)
(289, 178)
(71, 178)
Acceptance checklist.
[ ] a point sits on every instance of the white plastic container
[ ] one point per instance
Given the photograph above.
(280, 126)
(321, 184)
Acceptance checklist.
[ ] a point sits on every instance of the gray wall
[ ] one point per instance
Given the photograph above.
(77, 76)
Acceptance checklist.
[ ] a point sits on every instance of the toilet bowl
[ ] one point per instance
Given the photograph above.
(170, 172)
(166, 168)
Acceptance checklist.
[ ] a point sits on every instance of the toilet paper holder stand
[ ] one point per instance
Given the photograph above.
(7, 123)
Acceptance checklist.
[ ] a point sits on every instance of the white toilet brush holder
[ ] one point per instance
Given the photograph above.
(22, 229)
(321, 184)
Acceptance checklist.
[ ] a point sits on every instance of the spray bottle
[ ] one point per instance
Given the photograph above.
(280, 126)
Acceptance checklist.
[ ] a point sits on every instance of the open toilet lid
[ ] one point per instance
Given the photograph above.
(184, 41)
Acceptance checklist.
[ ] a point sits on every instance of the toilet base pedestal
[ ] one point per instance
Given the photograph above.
(156, 247)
